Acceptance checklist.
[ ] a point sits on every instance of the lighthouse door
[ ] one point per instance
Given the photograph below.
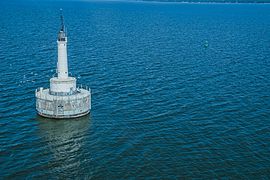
(60, 109)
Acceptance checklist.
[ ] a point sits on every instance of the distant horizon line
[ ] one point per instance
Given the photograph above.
(166, 1)
(175, 1)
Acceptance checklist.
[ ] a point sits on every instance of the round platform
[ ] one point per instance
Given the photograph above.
(62, 85)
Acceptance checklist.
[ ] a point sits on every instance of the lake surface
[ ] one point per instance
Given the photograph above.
(178, 90)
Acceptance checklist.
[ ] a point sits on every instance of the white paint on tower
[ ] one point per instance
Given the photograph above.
(62, 65)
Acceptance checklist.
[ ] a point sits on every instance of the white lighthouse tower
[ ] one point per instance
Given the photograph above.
(63, 99)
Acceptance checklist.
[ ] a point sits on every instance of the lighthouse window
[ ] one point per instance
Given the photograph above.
(60, 106)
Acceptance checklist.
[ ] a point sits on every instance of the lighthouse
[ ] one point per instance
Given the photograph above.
(63, 99)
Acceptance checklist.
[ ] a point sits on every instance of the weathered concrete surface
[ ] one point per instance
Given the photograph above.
(68, 106)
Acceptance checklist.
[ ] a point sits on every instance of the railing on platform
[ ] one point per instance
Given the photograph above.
(80, 86)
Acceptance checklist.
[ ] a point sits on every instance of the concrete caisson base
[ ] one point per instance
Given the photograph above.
(61, 107)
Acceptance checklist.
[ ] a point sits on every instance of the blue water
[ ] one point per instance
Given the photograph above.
(164, 104)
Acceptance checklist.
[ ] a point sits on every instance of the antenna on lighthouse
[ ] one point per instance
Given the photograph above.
(61, 34)
(62, 20)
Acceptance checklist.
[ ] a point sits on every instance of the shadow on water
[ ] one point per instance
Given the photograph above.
(66, 141)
